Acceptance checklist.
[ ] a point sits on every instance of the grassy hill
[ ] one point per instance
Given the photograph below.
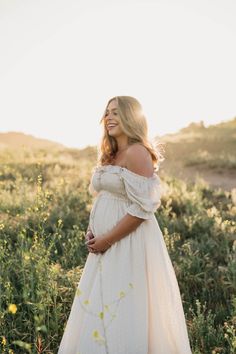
(16, 140)
(211, 147)
(205, 152)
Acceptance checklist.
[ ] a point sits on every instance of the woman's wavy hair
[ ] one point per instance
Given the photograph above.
(134, 124)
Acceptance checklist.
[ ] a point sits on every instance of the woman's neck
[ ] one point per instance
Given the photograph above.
(122, 143)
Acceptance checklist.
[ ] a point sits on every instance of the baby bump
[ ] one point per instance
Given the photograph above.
(107, 210)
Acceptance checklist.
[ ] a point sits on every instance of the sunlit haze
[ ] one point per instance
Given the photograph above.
(62, 60)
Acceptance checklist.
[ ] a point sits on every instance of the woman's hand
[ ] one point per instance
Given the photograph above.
(98, 244)
(89, 235)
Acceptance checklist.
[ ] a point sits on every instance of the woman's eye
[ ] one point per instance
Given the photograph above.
(113, 113)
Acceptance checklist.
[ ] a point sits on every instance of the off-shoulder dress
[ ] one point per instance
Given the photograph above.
(128, 299)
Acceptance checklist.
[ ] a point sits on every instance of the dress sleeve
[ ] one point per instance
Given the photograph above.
(143, 192)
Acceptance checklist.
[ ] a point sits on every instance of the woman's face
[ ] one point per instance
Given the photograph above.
(112, 120)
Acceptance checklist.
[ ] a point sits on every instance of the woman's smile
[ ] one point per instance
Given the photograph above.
(111, 125)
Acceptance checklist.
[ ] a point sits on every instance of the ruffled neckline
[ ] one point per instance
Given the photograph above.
(126, 170)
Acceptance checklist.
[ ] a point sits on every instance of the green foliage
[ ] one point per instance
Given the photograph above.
(44, 208)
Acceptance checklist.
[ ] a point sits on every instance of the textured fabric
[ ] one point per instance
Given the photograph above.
(127, 300)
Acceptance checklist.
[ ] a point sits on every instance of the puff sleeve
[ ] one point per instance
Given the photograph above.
(143, 192)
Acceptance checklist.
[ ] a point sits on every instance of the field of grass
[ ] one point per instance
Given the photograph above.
(44, 211)
(210, 147)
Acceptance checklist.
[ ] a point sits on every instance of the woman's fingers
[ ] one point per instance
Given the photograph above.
(90, 242)
(89, 235)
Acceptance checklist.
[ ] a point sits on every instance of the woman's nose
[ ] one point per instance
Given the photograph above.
(108, 117)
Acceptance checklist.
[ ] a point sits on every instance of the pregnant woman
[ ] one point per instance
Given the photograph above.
(127, 300)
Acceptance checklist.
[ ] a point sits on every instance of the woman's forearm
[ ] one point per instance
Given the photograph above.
(123, 228)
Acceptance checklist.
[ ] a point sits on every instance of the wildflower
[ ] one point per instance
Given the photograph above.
(78, 292)
(39, 178)
(95, 334)
(2, 226)
(59, 222)
(12, 308)
(101, 315)
(122, 294)
(56, 268)
(97, 337)
(4, 341)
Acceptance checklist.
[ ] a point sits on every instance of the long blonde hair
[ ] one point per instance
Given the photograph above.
(134, 125)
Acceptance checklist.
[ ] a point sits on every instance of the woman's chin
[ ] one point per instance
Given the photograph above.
(111, 133)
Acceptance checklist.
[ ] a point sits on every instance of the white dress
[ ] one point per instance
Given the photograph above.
(128, 299)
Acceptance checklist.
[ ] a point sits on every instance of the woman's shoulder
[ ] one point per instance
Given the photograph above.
(137, 146)
(139, 151)
(139, 160)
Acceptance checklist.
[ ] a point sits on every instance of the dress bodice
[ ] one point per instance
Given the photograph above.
(143, 192)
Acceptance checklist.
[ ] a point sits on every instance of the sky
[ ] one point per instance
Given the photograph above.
(62, 60)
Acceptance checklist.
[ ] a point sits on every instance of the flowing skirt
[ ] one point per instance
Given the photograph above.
(127, 300)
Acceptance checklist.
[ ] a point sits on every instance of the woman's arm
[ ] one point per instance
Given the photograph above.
(124, 227)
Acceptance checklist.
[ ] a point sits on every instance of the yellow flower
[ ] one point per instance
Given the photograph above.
(12, 308)
(26, 257)
(10, 351)
(2, 226)
(78, 292)
(101, 315)
(95, 334)
(97, 337)
(59, 222)
(122, 294)
(4, 341)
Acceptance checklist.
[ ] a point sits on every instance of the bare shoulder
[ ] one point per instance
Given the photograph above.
(138, 160)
